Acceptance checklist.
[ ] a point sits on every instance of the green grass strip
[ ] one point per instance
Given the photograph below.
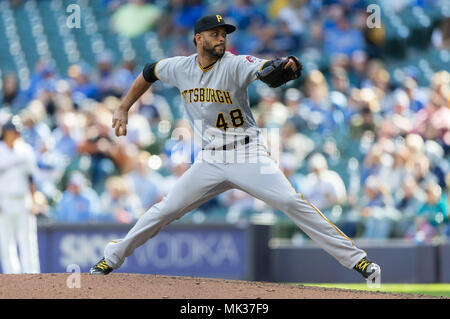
(424, 289)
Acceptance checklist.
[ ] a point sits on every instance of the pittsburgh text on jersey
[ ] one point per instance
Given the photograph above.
(206, 95)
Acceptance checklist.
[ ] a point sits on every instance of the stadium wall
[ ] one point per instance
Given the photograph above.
(243, 252)
(212, 250)
(401, 262)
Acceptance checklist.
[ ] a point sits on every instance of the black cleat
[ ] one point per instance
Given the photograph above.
(368, 269)
(100, 268)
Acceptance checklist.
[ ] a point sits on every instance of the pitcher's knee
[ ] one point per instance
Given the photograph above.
(289, 201)
(167, 210)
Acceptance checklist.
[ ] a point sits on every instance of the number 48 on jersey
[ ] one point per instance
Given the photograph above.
(235, 117)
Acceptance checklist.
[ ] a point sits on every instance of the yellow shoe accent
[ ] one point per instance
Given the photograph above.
(362, 265)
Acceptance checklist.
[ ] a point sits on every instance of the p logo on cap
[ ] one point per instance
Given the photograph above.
(209, 22)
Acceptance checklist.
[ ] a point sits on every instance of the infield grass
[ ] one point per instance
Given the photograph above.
(424, 289)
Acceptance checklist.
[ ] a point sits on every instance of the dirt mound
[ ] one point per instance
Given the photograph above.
(140, 286)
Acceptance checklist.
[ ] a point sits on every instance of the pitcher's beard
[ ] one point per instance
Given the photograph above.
(215, 52)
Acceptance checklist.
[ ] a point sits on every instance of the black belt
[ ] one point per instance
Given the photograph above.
(231, 146)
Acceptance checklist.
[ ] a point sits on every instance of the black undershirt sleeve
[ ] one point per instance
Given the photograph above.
(149, 72)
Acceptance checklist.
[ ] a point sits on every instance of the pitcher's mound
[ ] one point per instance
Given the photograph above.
(139, 286)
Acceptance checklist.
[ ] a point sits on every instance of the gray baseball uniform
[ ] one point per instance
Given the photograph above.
(233, 155)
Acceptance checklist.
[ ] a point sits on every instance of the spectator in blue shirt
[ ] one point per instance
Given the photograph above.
(36, 131)
(343, 38)
(318, 109)
(82, 86)
(249, 42)
(377, 210)
(408, 201)
(185, 18)
(124, 77)
(286, 42)
(144, 180)
(242, 12)
(120, 203)
(417, 96)
(104, 74)
(43, 78)
(79, 203)
(65, 142)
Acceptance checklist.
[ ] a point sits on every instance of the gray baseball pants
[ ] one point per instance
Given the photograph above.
(203, 181)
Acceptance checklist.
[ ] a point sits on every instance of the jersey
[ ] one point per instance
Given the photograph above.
(215, 97)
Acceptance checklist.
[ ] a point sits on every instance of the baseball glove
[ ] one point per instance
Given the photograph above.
(274, 74)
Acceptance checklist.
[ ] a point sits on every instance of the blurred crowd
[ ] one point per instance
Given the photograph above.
(373, 156)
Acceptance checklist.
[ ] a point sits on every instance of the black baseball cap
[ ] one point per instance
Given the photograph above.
(212, 21)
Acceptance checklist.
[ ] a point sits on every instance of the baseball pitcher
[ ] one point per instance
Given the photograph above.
(213, 84)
